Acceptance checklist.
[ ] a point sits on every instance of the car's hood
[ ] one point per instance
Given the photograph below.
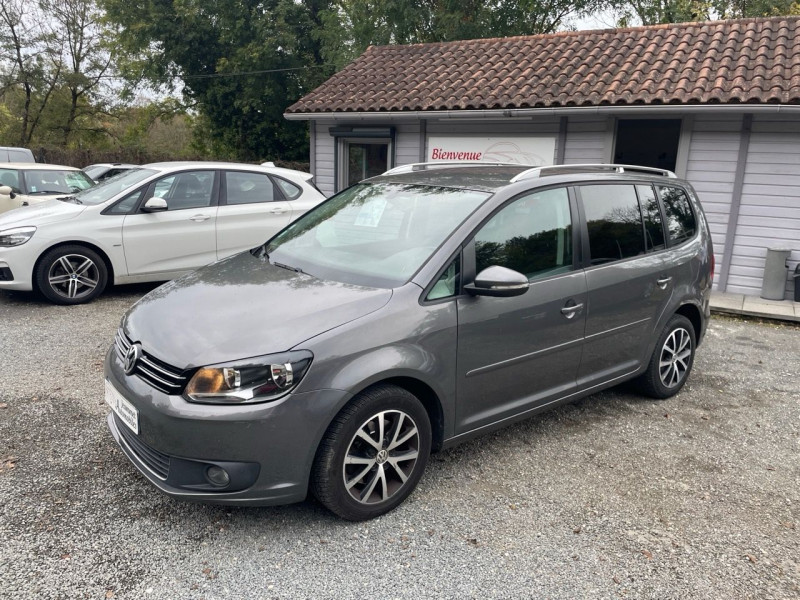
(40, 213)
(242, 307)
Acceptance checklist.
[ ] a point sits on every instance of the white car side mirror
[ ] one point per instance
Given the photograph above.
(7, 191)
(155, 204)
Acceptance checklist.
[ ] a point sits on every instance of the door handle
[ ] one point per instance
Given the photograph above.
(662, 283)
(571, 311)
(278, 210)
(199, 218)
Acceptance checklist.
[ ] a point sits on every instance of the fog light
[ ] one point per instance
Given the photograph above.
(217, 476)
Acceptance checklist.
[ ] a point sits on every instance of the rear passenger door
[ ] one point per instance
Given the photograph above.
(252, 209)
(628, 276)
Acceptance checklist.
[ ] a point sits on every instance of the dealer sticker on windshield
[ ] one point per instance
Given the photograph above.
(126, 411)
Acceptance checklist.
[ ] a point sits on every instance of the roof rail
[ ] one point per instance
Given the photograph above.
(577, 168)
(441, 164)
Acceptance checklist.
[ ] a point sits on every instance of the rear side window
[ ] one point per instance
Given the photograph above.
(532, 235)
(653, 227)
(614, 222)
(681, 223)
(244, 187)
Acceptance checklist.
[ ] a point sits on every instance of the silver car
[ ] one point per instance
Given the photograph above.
(406, 314)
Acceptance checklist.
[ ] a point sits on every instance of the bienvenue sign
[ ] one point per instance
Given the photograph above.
(530, 150)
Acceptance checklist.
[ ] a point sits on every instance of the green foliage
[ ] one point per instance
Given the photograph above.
(241, 63)
(350, 26)
(653, 12)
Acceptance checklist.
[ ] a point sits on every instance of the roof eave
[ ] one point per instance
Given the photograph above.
(539, 112)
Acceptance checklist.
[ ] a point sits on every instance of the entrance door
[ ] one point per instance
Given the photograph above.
(517, 353)
(363, 159)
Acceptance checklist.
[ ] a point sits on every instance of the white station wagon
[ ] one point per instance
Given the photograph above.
(152, 223)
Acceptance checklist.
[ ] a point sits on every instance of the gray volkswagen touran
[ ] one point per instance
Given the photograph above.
(405, 314)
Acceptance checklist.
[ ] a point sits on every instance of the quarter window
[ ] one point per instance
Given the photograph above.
(128, 203)
(532, 235)
(681, 223)
(448, 282)
(614, 222)
(290, 190)
(653, 227)
(248, 188)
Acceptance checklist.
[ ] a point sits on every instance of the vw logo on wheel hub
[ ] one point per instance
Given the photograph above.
(132, 357)
(382, 457)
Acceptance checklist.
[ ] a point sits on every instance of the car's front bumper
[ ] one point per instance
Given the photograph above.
(269, 447)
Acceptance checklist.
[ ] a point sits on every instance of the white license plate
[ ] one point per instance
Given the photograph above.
(126, 411)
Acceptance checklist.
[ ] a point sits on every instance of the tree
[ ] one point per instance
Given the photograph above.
(241, 63)
(86, 57)
(31, 67)
(653, 12)
(350, 26)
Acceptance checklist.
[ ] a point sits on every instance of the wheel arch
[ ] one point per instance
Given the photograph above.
(692, 312)
(94, 247)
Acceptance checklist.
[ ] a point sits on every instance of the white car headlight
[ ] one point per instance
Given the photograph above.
(16, 237)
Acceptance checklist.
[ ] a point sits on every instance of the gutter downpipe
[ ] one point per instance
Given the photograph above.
(545, 112)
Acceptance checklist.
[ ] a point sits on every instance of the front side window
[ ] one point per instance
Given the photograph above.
(242, 187)
(192, 189)
(374, 234)
(681, 224)
(10, 178)
(532, 235)
(614, 222)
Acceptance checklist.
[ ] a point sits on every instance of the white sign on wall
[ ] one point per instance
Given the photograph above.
(529, 150)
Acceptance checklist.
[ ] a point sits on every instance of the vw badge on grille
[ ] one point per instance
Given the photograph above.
(132, 357)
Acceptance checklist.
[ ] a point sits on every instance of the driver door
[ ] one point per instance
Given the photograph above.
(517, 353)
(181, 238)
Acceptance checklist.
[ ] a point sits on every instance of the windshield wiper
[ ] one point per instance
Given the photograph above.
(287, 267)
(71, 199)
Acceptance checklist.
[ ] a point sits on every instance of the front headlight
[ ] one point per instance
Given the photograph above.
(248, 381)
(16, 237)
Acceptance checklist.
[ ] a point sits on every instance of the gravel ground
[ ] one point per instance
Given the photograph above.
(615, 496)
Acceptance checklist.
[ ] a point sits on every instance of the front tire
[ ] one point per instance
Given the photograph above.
(373, 454)
(672, 359)
(71, 275)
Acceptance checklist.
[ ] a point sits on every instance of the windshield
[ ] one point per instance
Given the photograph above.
(41, 182)
(373, 234)
(108, 188)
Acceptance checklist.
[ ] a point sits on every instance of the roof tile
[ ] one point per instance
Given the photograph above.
(739, 61)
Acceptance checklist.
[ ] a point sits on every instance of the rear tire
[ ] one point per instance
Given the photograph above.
(71, 274)
(672, 360)
(373, 454)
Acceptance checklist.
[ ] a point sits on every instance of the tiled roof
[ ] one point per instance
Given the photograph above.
(720, 62)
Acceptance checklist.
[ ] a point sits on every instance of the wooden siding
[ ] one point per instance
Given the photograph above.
(711, 169)
(324, 167)
(770, 210)
(586, 140)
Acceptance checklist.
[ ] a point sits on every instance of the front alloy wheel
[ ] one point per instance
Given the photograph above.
(373, 454)
(381, 457)
(71, 275)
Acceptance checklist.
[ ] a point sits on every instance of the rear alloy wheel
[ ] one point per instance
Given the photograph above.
(71, 275)
(373, 454)
(672, 359)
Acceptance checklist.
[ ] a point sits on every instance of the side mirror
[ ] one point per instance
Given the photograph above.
(499, 282)
(155, 204)
(7, 191)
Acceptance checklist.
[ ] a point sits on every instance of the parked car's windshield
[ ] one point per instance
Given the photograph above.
(373, 234)
(107, 189)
